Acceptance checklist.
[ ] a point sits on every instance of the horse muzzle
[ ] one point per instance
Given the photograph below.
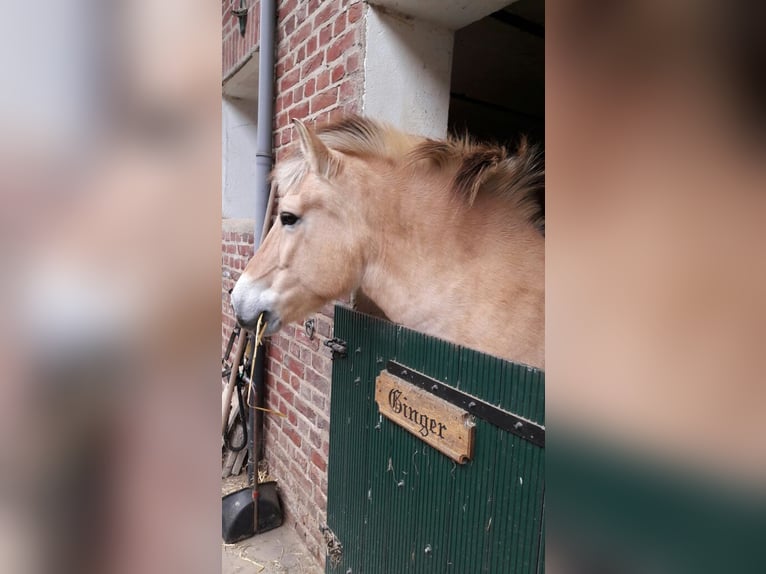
(249, 301)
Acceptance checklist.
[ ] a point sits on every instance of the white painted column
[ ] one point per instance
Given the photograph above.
(407, 69)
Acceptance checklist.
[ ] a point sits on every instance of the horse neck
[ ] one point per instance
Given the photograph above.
(436, 265)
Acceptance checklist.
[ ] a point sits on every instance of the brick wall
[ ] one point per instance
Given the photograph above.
(319, 76)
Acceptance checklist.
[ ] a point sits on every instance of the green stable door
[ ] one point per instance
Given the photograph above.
(396, 504)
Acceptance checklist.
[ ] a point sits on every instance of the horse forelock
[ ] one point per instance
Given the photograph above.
(354, 136)
(288, 174)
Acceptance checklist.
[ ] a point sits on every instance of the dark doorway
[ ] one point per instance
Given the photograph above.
(498, 75)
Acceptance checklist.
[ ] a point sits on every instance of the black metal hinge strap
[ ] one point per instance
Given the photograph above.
(510, 422)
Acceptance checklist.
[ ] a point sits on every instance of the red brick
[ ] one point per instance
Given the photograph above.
(324, 100)
(274, 353)
(324, 14)
(287, 61)
(298, 94)
(287, 100)
(323, 80)
(339, 25)
(337, 73)
(348, 91)
(302, 337)
(318, 400)
(351, 107)
(318, 460)
(286, 393)
(286, 7)
(281, 341)
(305, 392)
(289, 80)
(312, 64)
(315, 475)
(320, 494)
(308, 88)
(321, 364)
(314, 5)
(314, 378)
(355, 12)
(271, 378)
(300, 35)
(305, 409)
(311, 44)
(353, 62)
(325, 35)
(305, 355)
(323, 327)
(293, 436)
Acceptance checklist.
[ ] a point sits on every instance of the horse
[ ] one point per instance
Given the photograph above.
(444, 236)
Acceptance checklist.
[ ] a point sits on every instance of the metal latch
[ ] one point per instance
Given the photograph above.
(339, 347)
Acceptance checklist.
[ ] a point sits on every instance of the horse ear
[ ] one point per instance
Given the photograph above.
(318, 155)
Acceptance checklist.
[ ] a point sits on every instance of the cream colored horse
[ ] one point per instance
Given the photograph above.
(443, 236)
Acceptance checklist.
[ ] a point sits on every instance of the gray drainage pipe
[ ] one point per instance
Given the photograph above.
(263, 164)
(264, 135)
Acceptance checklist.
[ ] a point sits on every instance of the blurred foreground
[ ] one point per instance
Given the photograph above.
(656, 193)
(110, 212)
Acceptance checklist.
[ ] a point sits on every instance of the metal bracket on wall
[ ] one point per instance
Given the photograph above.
(310, 327)
(339, 347)
(241, 14)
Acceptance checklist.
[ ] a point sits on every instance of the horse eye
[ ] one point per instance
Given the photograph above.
(288, 218)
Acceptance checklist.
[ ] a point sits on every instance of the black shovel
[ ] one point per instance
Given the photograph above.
(257, 508)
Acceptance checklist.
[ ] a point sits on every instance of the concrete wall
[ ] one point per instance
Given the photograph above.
(407, 72)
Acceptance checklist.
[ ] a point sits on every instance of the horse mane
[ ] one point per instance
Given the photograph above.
(479, 168)
(483, 168)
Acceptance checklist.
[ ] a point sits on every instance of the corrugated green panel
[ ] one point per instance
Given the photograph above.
(541, 551)
(420, 500)
(397, 504)
(351, 411)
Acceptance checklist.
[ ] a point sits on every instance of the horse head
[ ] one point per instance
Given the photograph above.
(315, 251)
